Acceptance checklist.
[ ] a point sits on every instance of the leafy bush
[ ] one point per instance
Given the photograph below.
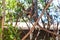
(11, 33)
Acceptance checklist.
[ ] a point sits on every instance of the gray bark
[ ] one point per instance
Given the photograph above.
(35, 9)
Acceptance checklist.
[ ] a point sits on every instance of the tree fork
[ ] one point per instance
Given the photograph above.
(36, 21)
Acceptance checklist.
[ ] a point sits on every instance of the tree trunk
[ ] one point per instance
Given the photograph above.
(3, 16)
(34, 9)
(47, 37)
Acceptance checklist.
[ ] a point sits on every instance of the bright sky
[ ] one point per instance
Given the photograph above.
(52, 9)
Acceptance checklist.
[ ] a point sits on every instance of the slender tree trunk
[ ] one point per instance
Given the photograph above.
(57, 38)
(3, 13)
(48, 26)
(3, 16)
(34, 9)
(34, 14)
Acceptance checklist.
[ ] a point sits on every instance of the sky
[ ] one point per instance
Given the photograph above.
(54, 10)
(55, 13)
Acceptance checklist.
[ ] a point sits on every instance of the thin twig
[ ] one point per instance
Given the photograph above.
(37, 35)
(26, 23)
(48, 31)
(36, 21)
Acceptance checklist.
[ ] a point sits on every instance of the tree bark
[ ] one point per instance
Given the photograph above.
(3, 16)
(34, 9)
(36, 22)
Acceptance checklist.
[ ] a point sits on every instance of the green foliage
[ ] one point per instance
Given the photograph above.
(42, 2)
(0, 7)
(11, 4)
(13, 10)
(11, 33)
(28, 1)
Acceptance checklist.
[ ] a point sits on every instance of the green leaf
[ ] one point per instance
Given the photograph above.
(11, 36)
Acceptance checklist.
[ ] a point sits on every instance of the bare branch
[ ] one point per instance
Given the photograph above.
(36, 21)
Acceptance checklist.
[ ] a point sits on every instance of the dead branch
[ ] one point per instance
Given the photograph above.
(26, 23)
(37, 35)
(36, 21)
(48, 31)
